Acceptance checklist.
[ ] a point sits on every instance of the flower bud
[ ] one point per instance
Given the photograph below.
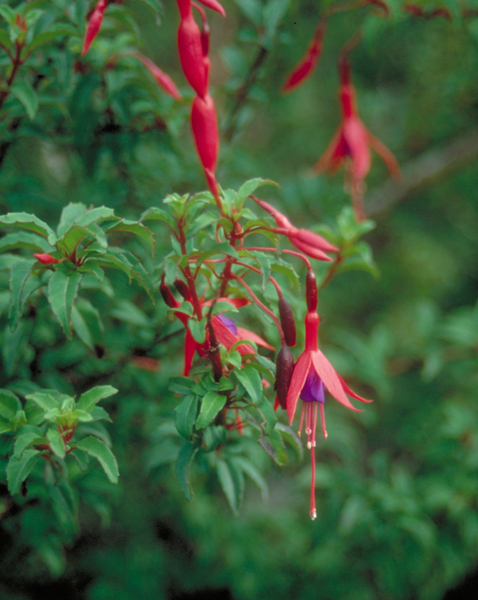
(168, 298)
(285, 368)
(182, 288)
(46, 259)
(311, 291)
(287, 321)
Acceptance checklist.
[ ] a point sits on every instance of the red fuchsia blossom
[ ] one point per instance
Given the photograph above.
(46, 259)
(307, 65)
(312, 375)
(306, 241)
(162, 79)
(94, 24)
(205, 131)
(351, 144)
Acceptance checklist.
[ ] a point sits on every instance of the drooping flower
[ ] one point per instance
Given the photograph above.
(94, 24)
(351, 144)
(312, 375)
(163, 79)
(311, 244)
(307, 64)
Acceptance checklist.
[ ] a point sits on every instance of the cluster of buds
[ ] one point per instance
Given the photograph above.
(193, 46)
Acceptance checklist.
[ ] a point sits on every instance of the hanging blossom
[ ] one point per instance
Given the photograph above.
(311, 376)
(307, 64)
(351, 144)
(225, 329)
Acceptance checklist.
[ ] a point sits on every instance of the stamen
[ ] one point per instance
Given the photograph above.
(301, 420)
(313, 514)
(309, 445)
(322, 418)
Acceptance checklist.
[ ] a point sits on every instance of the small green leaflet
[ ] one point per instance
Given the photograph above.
(185, 458)
(19, 274)
(251, 380)
(57, 444)
(62, 291)
(25, 94)
(18, 469)
(99, 450)
(211, 404)
(89, 399)
(30, 222)
(45, 401)
(9, 404)
(186, 414)
(23, 239)
(232, 482)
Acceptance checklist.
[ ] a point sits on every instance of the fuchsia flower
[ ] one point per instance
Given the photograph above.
(306, 241)
(312, 375)
(352, 142)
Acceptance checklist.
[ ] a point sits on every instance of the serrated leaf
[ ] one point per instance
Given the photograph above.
(291, 437)
(44, 400)
(251, 380)
(158, 214)
(25, 438)
(70, 240)
(13, 344)
(183, 463)
(30, 222)
(186, 414)
(265, 267)
(211, 404)
(89, 399)
(288, 271)
(69, 214)
(19, 274)
(82, 459)
(81, 328)
(219, 248)
(25, 94)
(135, 228)
(21, 239)
(9, 404)
(18, 469)
(99, 450)
(87, 324)
(57, 444)
(62, 291)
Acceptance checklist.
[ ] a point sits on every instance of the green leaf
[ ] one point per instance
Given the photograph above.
(89, 399)
(13, 345)
(99, 450)
(198, 329)
(69, 214)
(30, 222)
(219, 248)
(252, 9)
(54, 31)
(8, 14)
(251, 471)
(100, 414)
(291, 437)
(9, 404)
(18, 469)
(181, 385)
(201, 222)
(94, 215)
(211, 404)
(186, 414)
(19, 274)
(57, 444)
(265, 267)
(125, 310)
(274, 446)
(232, 483)
(135, 228)
(70, 240)
(62, 290)
(251, 380)
(26, 436)
(158, 214)
(183, 463)
(44, 400)
(25, 94)
(249, 187)
(25, 240)
(273, 13)
(82, 459)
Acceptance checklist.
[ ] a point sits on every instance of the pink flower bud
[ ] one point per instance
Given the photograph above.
(205, 131)
(46, 259)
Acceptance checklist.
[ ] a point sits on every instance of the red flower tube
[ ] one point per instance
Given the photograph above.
(94, 25)
(205, 131)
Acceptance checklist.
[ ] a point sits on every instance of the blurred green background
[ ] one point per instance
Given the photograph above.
(397, 485)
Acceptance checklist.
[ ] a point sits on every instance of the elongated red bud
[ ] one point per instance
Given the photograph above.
(168, 297)
(284, 370)
(182, 288)
(205, 132)
(287, 321)
(191, 55)
(311, 291)
(46, 259)
(205, 30)
(307, 65)
(162, 79)
(94, 25)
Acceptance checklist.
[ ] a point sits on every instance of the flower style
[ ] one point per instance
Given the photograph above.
(351, 144)
(306, 241)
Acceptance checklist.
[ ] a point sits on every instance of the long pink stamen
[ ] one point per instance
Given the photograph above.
(301, 419)
(322, 418)
(313, 512)
(314, 424)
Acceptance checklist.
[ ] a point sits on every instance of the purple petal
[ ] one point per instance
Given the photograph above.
(229, 323)
(313, 390)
